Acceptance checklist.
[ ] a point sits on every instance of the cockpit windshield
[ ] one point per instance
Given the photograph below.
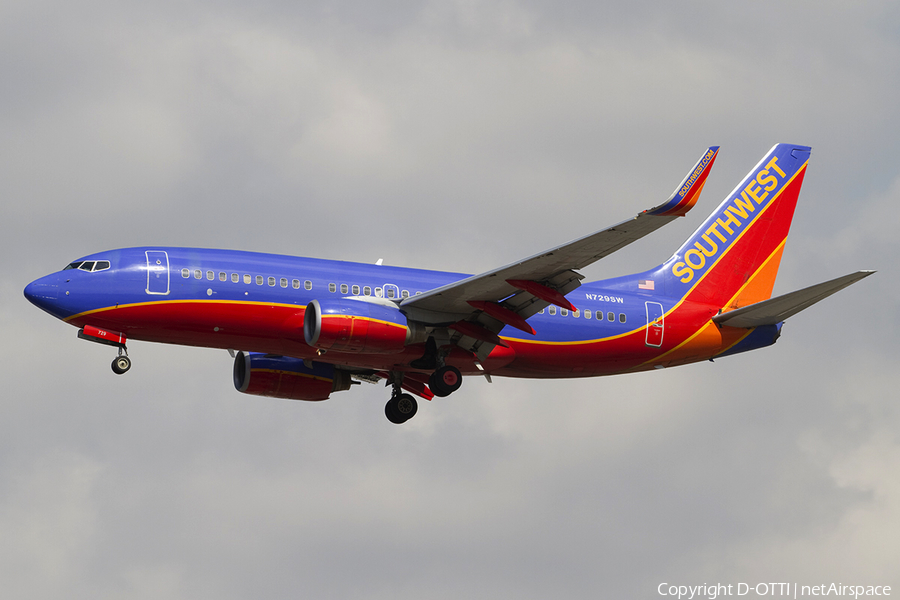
(88, 265)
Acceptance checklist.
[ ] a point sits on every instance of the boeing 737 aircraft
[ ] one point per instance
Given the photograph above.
(303, 328)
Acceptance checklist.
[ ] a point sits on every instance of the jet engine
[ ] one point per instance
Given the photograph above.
(285, 377)
(346, 325)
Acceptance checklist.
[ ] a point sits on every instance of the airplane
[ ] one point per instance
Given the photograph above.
(304, 328)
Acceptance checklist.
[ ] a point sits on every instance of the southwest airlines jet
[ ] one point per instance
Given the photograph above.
(303, 328)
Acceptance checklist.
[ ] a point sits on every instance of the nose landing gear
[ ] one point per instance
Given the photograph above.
(121, 363)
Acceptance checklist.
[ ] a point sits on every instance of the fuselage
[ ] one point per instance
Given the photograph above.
(256, 302)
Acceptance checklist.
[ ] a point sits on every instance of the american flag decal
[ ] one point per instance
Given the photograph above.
(645, 284)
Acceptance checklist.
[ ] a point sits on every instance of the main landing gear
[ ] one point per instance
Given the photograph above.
(445, 381)
(400, 408)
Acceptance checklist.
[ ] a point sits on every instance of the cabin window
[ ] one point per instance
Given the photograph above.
(564, 312)
(621, 317)
(271, 282)
(259, 280)
(587, 313)
(610, 316)
(235, 277)
(283, 282)
(222, 276)
(418, 293)
(344, 288)
(355, 290)
(541, 311)
(404, 294)
(577, 313)
(378, 292)
(332, 288)
(210, 275)
(390, 292)
(198, 274)
(307, 285)
(552, 310)
(184, 273)
(247, 279)
(295, 283)
(367, 291)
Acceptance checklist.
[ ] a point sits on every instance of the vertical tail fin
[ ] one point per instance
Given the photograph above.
(733, 258)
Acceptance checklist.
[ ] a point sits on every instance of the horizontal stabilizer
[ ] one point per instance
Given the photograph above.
(776, 310)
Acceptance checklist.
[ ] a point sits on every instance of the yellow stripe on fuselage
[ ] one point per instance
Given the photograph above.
(155, 302)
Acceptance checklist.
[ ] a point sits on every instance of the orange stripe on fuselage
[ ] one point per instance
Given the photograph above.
(708, 341)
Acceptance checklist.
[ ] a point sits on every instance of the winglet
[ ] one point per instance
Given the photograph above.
(685, 195)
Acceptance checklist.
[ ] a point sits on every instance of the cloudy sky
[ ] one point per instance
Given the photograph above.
(455, 135)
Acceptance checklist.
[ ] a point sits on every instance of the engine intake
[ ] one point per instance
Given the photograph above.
(285, 377)
(346, 325)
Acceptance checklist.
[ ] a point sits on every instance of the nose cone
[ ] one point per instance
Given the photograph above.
(44, 293)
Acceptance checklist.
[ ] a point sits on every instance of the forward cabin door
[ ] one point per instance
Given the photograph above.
(654, 324)
(157, 272)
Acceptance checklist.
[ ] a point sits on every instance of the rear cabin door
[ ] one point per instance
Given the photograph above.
(157, 272)
(654, 324)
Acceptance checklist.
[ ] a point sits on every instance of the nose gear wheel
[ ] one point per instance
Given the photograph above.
(121, 364)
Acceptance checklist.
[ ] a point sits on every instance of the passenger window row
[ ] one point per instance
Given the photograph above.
(389, 290)
(248, 279)
(610, 316)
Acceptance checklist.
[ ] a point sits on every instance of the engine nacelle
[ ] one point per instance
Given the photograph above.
(346, 325)
(285, 377)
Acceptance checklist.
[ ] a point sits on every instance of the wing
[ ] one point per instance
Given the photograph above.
(510, 294)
